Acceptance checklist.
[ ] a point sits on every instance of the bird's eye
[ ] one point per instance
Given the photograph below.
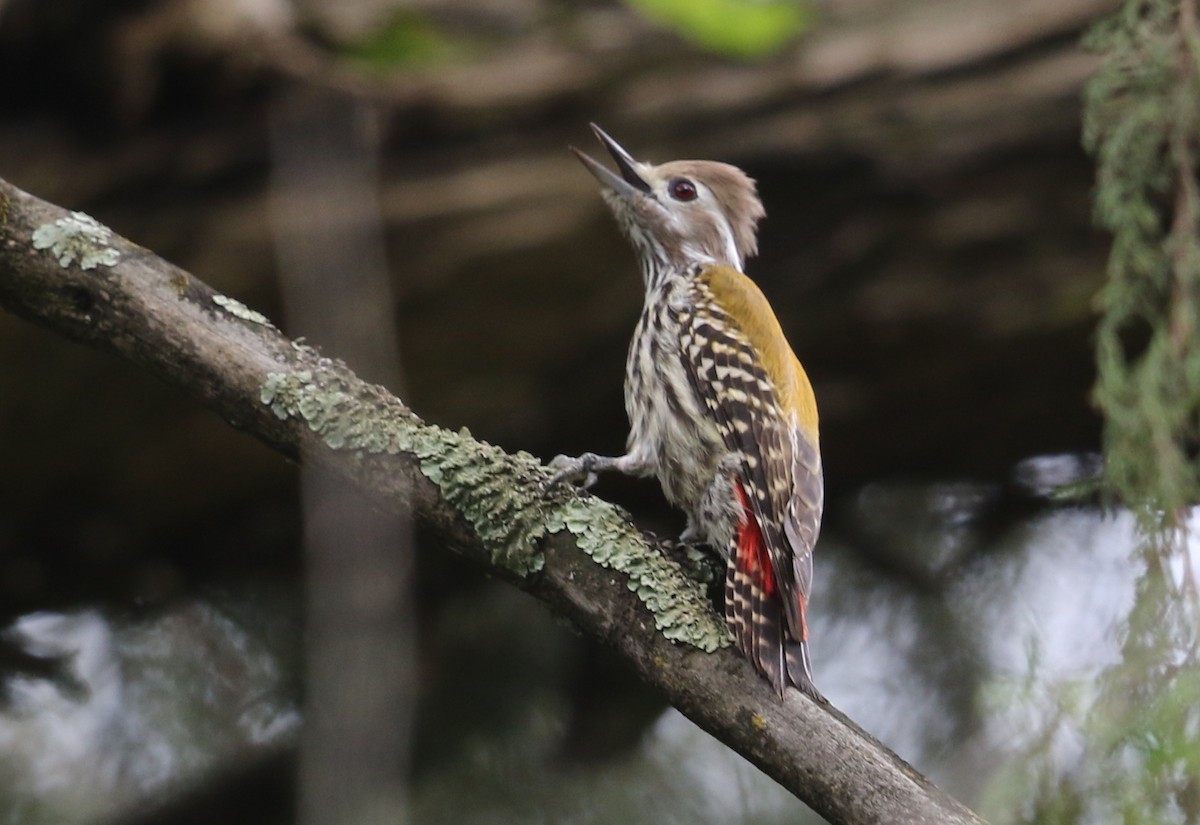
(682, 189)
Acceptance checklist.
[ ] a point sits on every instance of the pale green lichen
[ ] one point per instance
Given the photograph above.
(77, 237)
(475, 478)
(502, 496)
(239, 310)
(681, 611)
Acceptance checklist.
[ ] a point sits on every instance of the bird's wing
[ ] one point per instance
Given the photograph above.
(734, 353)
(802, 520)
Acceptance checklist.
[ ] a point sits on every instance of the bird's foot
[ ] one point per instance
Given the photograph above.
(578, 470)
(698, 562)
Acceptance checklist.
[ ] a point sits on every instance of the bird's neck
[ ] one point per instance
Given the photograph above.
(660, 270)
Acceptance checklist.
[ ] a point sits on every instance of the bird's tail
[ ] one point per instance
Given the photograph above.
(759, 629)
(755, 615)
(799, 669)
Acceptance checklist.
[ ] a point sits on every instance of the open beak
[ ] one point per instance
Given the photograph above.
(629, 181)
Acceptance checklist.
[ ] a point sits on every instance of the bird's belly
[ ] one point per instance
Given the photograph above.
(671, 426)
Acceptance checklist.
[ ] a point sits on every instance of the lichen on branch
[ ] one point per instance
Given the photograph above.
(77, 237)
(503, 496)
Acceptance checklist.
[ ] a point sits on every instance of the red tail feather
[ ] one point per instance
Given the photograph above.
(752, 547)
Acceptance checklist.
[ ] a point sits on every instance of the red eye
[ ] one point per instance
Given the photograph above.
(682, 189)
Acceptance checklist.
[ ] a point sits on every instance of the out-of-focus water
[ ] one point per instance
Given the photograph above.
(999, 649)
(143, 706)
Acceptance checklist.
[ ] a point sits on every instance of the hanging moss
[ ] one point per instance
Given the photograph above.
(1142, 123)
(1135, 725)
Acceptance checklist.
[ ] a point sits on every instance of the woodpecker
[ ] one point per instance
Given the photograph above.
(720, 409)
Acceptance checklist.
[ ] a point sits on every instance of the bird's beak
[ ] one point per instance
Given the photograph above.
(629, 182)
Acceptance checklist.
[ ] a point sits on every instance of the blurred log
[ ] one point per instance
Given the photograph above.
(928, 236)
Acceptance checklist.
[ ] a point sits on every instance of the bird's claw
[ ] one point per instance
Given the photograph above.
(575, 470)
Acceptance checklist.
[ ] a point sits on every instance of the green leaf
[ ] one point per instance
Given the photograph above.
(407, 40)
(739, 28)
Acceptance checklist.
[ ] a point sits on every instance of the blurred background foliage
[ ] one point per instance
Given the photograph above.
(404, 41)
(731, 27)
(391, 180)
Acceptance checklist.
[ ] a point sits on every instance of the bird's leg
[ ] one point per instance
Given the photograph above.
(691, 534)
(703, 546)
(714, 518)
(585, 469)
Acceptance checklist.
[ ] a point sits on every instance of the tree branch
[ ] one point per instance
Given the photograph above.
(487, 505)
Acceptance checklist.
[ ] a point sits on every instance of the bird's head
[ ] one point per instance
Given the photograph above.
(682, 212)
